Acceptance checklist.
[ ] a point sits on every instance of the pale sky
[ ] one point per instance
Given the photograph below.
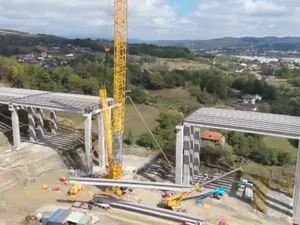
(155, 19)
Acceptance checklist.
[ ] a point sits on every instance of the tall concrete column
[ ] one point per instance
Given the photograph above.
(40, 124)
(192, 151)
(53, 121)
(101, 141)
(31, 124)
(296, 197)
(197, 147)
(88, 141)
(186, 155)
(15, 128)
(179, 154)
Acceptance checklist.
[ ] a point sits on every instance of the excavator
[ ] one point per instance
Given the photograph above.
(175, 200)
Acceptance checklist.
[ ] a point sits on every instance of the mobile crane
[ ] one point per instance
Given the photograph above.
(113, 134)
(175, 200)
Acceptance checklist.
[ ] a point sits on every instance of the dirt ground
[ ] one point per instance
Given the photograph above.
(23, 199)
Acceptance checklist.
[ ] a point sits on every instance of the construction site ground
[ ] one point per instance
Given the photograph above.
(26, 195)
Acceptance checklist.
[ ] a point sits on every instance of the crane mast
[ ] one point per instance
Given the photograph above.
(114, 147)
(120, 70)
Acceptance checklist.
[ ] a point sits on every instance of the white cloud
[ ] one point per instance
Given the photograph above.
(155, 19)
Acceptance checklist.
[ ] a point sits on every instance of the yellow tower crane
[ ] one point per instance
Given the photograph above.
(114, 139)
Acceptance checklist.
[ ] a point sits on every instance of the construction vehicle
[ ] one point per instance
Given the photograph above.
(175, 200)
(75, 190)
(223, 223)
(217, 193)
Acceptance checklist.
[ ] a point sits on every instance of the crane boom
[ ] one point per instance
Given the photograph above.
(176, 199)
(107, 129)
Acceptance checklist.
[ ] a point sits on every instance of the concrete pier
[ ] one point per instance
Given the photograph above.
(40, 124)
(15, 128)
(179, 154)
(88, 141)
(101, 141)
(188, 144)
(187, 173)
(31, 124)
(296, 197)
(53, 122)
(197, 147)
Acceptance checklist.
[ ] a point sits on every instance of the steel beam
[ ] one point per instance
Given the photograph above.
(50, 100)
(170, 215)
(128, 183)
(244, 129)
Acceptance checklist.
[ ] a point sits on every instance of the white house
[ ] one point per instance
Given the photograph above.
(251, 99)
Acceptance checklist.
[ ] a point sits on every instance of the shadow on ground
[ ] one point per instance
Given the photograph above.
(69, 142)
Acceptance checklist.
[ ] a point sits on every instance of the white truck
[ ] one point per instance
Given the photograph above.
(102, 205)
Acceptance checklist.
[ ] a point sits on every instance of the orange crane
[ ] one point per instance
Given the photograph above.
(114, 134)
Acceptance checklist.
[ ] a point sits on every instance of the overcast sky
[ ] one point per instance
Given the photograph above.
(155, 19)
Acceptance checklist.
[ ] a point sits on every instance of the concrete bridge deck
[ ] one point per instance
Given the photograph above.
(50, 100)
(188, 139)
(35, 101)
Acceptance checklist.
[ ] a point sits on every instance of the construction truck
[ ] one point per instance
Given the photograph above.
(76, 190)
(175, 200)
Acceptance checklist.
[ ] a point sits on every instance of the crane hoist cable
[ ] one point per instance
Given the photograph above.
(156, 142)
(107, 43)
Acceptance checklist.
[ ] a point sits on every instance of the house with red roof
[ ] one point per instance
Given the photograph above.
(212, 136)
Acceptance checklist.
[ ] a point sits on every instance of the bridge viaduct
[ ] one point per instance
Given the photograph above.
(34, 102)
(188, 139)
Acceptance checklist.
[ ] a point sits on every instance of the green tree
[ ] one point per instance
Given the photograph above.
(284, 158)
(170, 119)
(74, 82)
(139, 95)
(156, 80)
(129, 139)
(90, 86)
(146, 140)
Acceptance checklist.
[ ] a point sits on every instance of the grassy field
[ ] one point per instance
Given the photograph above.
(280, 143)
(179, 94)
(134, 122)
(171, 64)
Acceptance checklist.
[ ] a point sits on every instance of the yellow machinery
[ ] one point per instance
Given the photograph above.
(175, 200)
(114, 136)
(76, 190)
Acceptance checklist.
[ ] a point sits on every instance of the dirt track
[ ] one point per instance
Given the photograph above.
(27, 196)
